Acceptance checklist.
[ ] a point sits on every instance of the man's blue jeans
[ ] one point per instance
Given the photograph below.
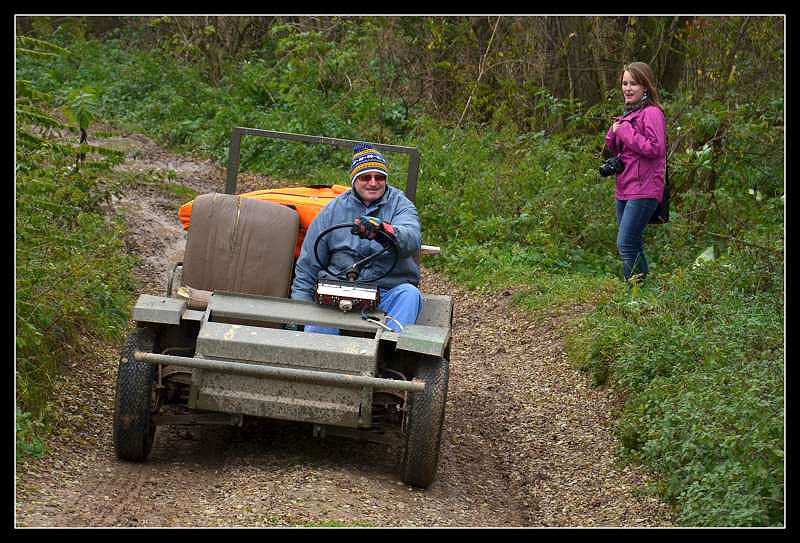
(632, 217)
(402, 303)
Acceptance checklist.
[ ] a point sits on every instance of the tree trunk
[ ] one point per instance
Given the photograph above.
(599, 52)
(675, 56)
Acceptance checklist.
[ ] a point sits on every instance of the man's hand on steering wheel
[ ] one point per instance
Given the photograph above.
(368, 227)
(364, 227)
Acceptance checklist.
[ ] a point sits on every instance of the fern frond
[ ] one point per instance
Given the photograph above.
(28, 140)
(28, 43)
(42, 55)
(38, 117)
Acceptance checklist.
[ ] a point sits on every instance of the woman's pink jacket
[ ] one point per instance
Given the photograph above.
(641, 143)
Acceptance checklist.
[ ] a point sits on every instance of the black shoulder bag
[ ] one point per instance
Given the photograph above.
(661, 214)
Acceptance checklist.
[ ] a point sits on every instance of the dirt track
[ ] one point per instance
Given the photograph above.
(526, 440)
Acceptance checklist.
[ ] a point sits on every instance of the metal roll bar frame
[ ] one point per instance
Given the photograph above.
(234, 154)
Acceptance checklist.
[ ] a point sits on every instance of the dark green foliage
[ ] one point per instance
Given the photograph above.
(72, 272)
(700, 357)
(27, 435)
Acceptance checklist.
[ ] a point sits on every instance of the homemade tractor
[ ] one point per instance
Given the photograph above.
(226, 342)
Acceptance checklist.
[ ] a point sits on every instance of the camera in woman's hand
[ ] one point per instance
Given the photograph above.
(612, 166)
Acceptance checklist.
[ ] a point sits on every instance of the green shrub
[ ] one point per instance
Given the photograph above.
(72, 273)
(715, 434)
(72, 270)
(28, 440)
(700, 360)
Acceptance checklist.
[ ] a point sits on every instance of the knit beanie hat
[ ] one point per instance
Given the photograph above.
(366, 159)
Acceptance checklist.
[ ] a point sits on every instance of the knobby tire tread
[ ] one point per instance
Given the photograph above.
(133, 429)
(426, 420)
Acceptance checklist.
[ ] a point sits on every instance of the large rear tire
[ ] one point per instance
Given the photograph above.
(134, 399)
(424, 422)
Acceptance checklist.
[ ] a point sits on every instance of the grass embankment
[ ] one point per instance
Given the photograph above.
(696, 356)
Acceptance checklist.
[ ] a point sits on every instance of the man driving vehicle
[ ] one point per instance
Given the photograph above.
(376, 208)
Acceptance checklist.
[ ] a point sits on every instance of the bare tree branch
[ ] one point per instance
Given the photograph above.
(481, 69)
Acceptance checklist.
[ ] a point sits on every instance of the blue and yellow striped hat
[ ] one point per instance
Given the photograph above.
(366, 159)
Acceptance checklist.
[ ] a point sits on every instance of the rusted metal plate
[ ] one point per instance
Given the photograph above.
(418, 338)
(284, 398)
(226, 306)
(436, 310)
(193, 315)
(287, 348)
(158, 309)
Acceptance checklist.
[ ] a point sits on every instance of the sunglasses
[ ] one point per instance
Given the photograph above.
(380, 178)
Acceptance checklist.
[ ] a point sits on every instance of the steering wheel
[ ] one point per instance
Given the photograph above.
(351, 273)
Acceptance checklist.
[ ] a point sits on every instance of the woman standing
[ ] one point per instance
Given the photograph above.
(638, 137)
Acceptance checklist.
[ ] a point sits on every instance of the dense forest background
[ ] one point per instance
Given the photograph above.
(509, 114)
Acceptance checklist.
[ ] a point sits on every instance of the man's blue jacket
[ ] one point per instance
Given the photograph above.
(340, 249)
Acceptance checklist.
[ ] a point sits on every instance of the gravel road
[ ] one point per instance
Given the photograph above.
(526, 440)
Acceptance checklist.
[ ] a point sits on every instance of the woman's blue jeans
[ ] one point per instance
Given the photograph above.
(402, 303)
(632, 217)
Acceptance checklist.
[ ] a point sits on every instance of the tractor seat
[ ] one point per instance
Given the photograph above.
(240, 245)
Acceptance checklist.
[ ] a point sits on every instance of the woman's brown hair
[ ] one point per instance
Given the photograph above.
(643, 75)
